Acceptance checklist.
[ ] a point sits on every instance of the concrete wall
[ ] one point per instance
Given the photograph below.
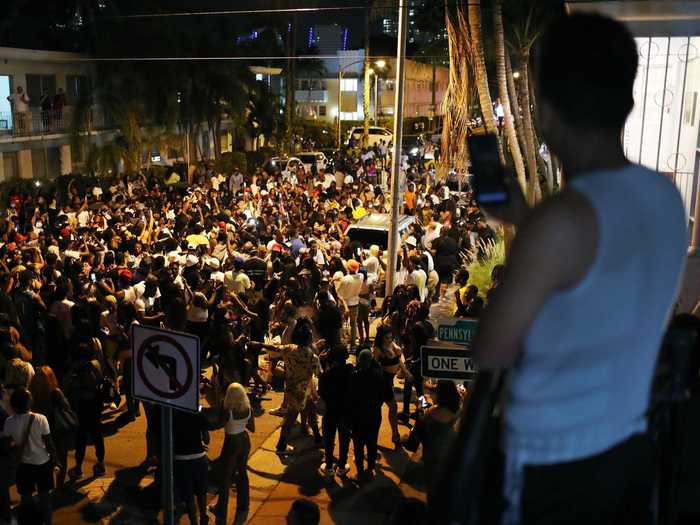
(20, 62)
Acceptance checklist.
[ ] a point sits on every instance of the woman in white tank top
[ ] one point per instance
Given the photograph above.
(234, 453)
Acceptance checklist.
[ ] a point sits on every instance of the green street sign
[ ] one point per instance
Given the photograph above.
(461, 331)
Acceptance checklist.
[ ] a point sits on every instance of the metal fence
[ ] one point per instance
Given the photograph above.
(36, 122)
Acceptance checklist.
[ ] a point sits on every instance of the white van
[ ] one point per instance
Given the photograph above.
(375, 135)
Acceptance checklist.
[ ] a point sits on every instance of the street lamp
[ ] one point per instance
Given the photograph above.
(379, 63)
(516, 75)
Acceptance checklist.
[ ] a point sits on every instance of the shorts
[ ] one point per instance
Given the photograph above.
(191, 477)
(34, 478)
(446, 274)
(388, 387)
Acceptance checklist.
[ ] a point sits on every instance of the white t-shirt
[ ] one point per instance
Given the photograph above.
(21, 102)
(35, 452)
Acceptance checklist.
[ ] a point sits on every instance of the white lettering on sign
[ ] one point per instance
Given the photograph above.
(450, 364)
(453, 333)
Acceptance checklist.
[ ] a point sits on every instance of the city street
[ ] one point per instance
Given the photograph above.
(125, 495)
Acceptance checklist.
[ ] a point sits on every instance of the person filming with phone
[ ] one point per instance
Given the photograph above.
(579, 315)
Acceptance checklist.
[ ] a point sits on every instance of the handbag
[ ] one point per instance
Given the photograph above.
(65, 420)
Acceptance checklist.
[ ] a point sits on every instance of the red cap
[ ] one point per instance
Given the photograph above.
(65, 232)
(126, 275)
(20, 238)
(11, 247)
(222, 225)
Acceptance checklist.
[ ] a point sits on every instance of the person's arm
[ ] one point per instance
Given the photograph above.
(250, 425)
(553, 251)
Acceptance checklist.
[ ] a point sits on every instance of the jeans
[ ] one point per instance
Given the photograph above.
(352, 311)
(234, 456)
(287, 425)
(331, 424)
(365, 434)
(408, 386)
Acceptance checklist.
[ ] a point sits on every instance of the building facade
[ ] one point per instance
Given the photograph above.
(317, 97)
(36, 143)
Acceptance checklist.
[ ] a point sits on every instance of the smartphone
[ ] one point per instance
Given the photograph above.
(488, 180)
(93, 278)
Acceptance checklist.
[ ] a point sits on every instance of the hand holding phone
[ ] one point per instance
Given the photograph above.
(496, 190)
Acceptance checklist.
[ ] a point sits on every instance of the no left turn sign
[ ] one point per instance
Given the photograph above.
(165, 367)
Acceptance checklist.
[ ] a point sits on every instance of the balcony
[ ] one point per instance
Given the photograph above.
(313, 95)
(38, 123)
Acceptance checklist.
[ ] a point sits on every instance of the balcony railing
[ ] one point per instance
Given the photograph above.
(36, 122)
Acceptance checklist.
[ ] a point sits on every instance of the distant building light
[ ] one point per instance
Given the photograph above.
(258, 76)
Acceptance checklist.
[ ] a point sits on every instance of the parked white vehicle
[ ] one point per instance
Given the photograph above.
(286, 164)
(310, 157)
(375, 135)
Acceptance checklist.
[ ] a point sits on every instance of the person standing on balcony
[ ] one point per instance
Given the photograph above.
(20, 108)
(59, 100)
(46, 104)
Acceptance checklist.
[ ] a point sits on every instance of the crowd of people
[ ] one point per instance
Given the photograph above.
(254, 264)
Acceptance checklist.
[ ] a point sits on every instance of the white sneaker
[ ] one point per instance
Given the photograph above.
(280, 411)
(341, 471)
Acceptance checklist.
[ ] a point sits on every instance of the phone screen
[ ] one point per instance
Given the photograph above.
(488, 180)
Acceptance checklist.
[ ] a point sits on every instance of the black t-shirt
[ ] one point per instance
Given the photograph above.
(187, 432)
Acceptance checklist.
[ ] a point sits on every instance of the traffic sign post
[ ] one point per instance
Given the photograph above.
(165, 371)
(447, 361)
(453, 330)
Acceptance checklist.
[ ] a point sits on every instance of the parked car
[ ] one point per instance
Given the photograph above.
(286, 164)
(374, 229)
(375, 135)
(313, 157)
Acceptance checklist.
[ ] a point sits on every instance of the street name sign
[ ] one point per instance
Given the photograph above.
(165, 367)
(447, 361)
(454, 330)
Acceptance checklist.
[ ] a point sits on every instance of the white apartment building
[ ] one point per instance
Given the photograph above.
(36, 143)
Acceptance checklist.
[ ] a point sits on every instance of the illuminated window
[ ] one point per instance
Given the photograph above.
(348, 84)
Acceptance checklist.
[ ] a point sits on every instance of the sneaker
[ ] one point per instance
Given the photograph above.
(327, 470)
(341, 471)
(281, 412)
(75, 473)
(99, 469)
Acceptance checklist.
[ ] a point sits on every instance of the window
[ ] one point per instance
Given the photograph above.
(304, 84)
(37, 84)
(322, 111)
(348, 84)
(76, 86)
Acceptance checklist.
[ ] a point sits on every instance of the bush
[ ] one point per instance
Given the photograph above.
(230, 160)
(492, 254)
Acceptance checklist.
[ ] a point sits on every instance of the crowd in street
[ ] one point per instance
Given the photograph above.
(261, 268)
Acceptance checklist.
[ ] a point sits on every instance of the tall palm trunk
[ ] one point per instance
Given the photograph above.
(482, 81)
(511, 135)
(366, 82)
(513, 93)
(528, 130)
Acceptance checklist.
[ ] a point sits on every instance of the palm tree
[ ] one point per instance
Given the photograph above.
(501, 75)
(480, 75)
(263, 114)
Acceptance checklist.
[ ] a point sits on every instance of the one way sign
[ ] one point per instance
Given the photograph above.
(165, 367)
(441, 360)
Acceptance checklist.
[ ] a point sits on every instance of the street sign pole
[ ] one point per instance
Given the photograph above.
(166, 459)
(396, 171)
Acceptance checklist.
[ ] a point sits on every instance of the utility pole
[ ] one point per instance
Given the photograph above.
(396, 171)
